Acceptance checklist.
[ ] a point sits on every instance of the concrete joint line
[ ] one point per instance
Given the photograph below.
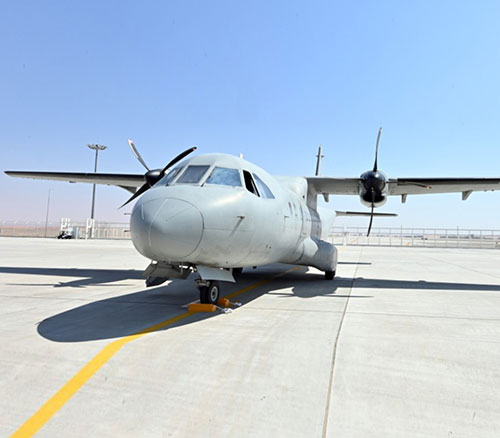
(334, 352)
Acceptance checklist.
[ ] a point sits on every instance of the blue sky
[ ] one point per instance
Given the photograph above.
(272, 80)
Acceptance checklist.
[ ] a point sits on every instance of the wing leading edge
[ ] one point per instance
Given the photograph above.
(422, 186)
(127, 181)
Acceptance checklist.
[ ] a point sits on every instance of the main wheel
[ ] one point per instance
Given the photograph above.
(210, 294)
(329, 275)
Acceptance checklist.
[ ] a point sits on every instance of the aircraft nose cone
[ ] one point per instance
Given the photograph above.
(166, 229)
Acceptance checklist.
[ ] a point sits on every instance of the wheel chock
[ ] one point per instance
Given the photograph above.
(223, 302)
(199, 307)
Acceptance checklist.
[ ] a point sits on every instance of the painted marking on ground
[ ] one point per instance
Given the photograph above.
(71, 387)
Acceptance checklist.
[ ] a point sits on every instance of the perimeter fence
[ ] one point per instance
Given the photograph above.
(89, 229)
(417, 237)
(350, 236)
(29, 229)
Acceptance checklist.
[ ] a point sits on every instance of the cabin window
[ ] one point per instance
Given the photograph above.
(249, 183)
(192, 174)
(225, 177)
(264, 191)
(169, 177)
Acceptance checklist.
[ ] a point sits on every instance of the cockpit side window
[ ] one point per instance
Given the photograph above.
(264, 191)
(249, 183)
(192, 175)
(225, 177)
(169, 177)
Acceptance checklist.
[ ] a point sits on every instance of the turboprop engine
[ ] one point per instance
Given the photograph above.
(373, 186)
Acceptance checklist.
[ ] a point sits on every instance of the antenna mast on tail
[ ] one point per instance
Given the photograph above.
(318, 162)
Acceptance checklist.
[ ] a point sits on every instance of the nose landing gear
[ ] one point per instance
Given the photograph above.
(209, 291)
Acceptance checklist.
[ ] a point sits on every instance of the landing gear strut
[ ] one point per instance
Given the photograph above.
(209, 291)
(237, 272)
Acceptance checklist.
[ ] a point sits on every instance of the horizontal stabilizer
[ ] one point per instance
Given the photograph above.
(364, 213)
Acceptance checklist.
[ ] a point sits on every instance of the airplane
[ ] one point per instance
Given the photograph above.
(216, 214)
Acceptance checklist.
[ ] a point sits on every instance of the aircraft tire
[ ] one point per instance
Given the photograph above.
(329, 275)
(210, 294)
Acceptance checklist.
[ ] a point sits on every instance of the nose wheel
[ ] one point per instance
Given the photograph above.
(329, 275)
(209, 291)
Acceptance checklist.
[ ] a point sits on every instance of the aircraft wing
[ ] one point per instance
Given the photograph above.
(127, 181)
(406, 186)
(334, 186)
(425, 186)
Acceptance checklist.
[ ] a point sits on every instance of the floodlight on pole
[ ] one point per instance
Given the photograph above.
(96, 148)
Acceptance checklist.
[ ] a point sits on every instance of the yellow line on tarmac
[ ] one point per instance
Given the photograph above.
(59, 399)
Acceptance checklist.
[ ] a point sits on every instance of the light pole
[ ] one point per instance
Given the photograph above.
(96, 148)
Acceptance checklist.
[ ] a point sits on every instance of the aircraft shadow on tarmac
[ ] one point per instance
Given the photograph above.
(126, 314)
(88, 276)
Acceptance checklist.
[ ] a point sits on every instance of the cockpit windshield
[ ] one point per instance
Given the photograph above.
(192, 175)
(264, 191)
(225, 177)
(169, 177)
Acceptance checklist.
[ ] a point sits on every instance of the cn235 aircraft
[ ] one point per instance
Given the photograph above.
(215, 214)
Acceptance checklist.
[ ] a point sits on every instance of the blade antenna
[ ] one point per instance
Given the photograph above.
(137, 154)
(375, 166)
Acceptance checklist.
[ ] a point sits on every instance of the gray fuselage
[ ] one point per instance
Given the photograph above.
(264, 219)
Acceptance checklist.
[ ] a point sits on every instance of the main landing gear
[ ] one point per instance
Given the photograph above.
(237, 272)
(209, 291)
(329, 275)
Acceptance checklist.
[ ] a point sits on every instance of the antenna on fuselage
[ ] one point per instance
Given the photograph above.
(318, 162)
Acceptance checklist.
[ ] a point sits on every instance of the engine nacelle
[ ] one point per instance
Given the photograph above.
(366, 198)
(373, 188)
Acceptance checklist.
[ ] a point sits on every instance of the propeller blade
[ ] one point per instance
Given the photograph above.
(375, 167)
(148, 185)
(371, 214)
(137, 154)
(139, 192)
(177, 159)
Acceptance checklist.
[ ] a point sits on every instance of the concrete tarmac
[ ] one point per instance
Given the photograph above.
(404, 342)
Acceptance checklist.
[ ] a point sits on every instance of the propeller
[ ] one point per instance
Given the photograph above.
(371, 214)
(375, 168)
(374, 183)
(137, 154)
(153, 176)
